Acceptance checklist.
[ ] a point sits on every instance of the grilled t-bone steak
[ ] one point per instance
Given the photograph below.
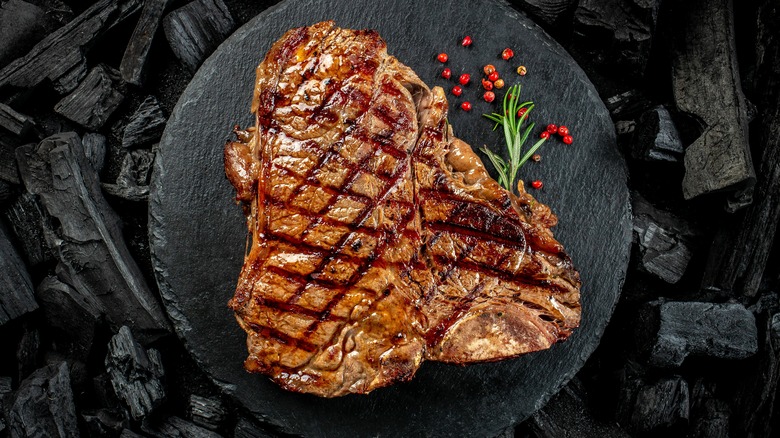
(377, 239)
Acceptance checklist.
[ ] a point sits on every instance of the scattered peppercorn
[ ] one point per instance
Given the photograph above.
(521, 112)
(552, 129)
(442, 57)
(489, 96)
(466, 41)
(464, 78)
(545, 135)
(568, 139)
(446, 73)
(488, 69)
(537, 184)
(487, 85)
(493, 76)
(498, 83)
(522, 70)
(563, 131)
(507, 54)
(536, 157)
(457, 90)
(466, 106)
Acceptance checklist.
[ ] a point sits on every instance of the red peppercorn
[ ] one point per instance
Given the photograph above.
(489, 96)
(466, 106)
(493, 76)
(545, 135)
(521, 111)
(552, 129)
(489, 69)
(536, 157)
(464, 78)
(563, 131)
(487, 85)
(568, 139)
(537, 184)
(499, 83)
(507, 54)
(446, 73)
(466, 41)
(457, 90)
(442, 57)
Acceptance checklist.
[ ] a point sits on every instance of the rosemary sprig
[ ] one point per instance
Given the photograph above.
(515, 135)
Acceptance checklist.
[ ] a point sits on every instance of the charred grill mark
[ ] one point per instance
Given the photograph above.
(461, 230)
(282, 338)
(324, 316)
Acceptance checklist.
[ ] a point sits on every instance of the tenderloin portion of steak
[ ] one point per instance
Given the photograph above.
(376, 238)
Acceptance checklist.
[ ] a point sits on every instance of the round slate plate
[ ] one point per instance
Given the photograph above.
(197, 231)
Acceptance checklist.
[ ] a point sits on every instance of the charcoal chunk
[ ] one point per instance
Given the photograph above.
(95, 99)
(628, 104)
(175, 427)
(15, 122)
(710, 416)
(26, 218)
(647, 405)
(665, 241)
(618, 34)
(133, 180)
(656, 138)
(195, 30)
(59, 58)
(104, 422)
(9, 171)
(95, 149)
(136, 374)
(28, 351)
(73, 315)
(133, 66)
(706, 84)
(246, 428)
(16, 290)
(87, 240)
(43, 405)
(146, 125)
(725, 331)
(5, 385)
(207, 412)
(21, 26)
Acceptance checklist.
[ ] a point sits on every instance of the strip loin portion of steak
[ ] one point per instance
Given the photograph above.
(376, 238)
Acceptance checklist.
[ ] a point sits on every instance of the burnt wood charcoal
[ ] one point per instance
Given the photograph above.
(9, 171)
(706, 84)
(546, 11)
(656, 138)
(246, 428)
(95, 149)
(133, 180)
(725, 331)
(207, 412)
(710, 416)
(5, 190)
(16, 290)
(21, 26)
(647, 405)
(146, 125)
(59, 58)
(175, 427)
(136, 374)
(72, 315)
(127, 433)
(104, 422)
(617, 33)
(627, 105)
(26, 219)
(43, 405)
(28, 350)
(195, 30)
(95, 99)
(5, 385)
(665, 241)
(133, 66)
(567, 415)
(15, 122)
(88, 241)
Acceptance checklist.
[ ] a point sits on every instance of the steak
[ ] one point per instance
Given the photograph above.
(376, 238)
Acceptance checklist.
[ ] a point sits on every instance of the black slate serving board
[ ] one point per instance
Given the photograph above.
(198, 233)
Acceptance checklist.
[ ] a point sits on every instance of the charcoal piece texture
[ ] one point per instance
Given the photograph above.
(133, 66)
(104, 422)
(617, 33)
(28, 350)
(9, 171)
(16, 290)
(207, 412)
(628, 104)
(5, 385)
(725, 331)
(133, 180)
(43, 405)
(59, 58)
(136, 374)
(656, 137)
(175, 427)
(26, 218)
(706, 84)
(21, 26)
(710, 416)
(72, 315)
(146, 125)
(246, 428)
(88, 241)
(13, 121)
(665, 241)
(95, 149)
(95, 99)
(195, 30)
(647, 405)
